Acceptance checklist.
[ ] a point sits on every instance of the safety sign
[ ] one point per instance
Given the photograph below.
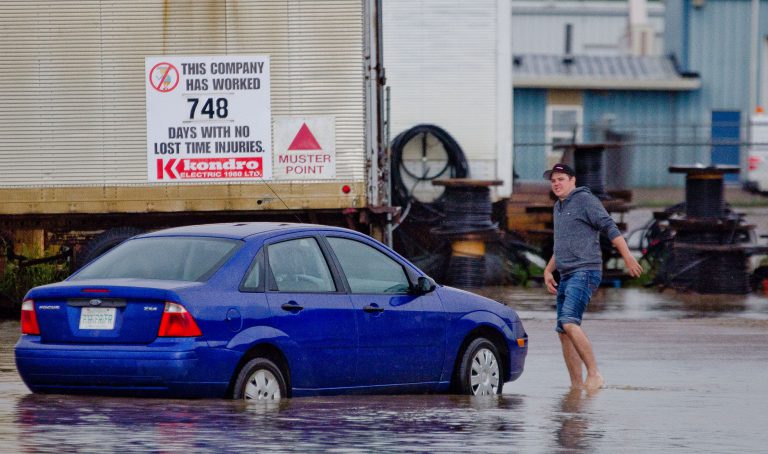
(305, 147)
(208, 118)
(164, 77)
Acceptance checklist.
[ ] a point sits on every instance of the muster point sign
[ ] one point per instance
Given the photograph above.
(208, 118)
(305, 147)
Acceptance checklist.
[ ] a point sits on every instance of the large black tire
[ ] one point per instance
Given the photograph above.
(260, 379)
(480, 370)
(103, 242)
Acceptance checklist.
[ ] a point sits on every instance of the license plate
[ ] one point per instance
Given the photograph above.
(97, 318)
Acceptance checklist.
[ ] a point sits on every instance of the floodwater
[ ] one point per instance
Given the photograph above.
(684, 374)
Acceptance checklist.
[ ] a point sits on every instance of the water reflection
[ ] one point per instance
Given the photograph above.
(364, 423)
(573, 431)
(691, 385)
(705, 305)
(636, 303)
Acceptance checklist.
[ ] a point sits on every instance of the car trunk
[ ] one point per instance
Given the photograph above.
(105, 314)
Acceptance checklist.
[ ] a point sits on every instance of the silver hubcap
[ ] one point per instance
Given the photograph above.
(262, 384)
(484, 377)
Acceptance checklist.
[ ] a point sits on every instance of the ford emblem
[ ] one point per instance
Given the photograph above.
(94, 302)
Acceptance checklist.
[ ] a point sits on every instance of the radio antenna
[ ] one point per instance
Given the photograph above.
(281, 200)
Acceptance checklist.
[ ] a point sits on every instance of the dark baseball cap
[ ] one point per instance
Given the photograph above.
(559, 167)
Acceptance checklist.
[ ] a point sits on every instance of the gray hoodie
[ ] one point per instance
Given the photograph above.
(578, 221)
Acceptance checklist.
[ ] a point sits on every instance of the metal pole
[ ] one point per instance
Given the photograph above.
(387, 125)
(753, 66)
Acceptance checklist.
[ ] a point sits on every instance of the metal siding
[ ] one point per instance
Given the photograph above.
(693, 122)
(606, 72)
(72, 77)
(442, 66)
(718, 47)
(762, 63)
(598, 27)
(719, 51)
(675, 22)
(529, 133)
(649, 118)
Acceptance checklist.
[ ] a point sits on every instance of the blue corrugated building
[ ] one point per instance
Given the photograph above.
(689, 105)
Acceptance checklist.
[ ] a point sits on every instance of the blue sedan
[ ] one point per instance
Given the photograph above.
(262, 311)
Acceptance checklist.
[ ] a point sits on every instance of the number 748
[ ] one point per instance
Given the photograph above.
(220, 110)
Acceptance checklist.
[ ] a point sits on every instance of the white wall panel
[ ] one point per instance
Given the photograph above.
(443, 64)
(72, 77)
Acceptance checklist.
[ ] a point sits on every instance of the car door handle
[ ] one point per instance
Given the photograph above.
(291, 307)
(372, 308)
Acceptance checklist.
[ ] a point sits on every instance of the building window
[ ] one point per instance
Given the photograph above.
(563, 126)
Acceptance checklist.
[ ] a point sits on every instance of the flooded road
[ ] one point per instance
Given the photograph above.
(684, 374)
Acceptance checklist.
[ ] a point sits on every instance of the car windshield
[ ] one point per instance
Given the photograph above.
(166, 258)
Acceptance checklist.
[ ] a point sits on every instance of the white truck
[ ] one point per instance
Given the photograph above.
(127, 116)
(757, 161)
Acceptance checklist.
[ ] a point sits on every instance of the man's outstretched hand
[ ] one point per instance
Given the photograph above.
(633, 267)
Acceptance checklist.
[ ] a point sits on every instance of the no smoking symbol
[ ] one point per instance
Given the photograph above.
(164, 77)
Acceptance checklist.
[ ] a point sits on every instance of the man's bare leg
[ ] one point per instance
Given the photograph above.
(572, 361)
(583, 347)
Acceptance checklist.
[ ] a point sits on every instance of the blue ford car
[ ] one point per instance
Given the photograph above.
(262, 311)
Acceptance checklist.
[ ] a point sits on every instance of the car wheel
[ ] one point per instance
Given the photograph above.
(260, 379)
(480, 369)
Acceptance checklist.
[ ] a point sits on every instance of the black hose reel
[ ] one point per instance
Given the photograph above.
(455, 165)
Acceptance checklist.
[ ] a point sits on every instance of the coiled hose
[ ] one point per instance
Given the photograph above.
(456, 166)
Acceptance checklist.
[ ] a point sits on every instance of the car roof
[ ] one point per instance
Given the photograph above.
(240, 230)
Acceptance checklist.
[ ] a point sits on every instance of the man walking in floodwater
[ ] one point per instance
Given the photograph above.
(579, 218)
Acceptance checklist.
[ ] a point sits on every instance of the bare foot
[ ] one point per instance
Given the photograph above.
(594, 382)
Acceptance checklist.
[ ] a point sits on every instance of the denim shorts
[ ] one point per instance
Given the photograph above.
(573, 294)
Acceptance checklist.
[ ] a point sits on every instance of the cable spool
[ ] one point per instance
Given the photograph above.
(691, 265)
(711, 271)
(466, 272)
(699, 237)
(467, 224)
(704, 190)
(709, 253)
(590, 169)
(467, 209)
(684, 267)
(704, 195)
(725, 272)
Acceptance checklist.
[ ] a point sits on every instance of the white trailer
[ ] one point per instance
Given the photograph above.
(77, 81)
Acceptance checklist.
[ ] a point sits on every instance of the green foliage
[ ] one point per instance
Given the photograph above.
(531, 273)
(517, 273)
(16, 281)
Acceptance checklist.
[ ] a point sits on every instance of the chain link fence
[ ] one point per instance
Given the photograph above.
(636, 155)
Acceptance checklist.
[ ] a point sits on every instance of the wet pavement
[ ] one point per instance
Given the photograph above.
(684, 374)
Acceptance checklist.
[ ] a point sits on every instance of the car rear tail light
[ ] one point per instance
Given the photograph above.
(29, 318)
(754, 162)
(177, 322)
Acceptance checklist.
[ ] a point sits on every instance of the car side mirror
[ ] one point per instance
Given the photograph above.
(424, 285)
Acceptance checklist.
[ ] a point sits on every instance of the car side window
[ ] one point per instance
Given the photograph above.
(299, 266)
(253, 279)
(369, 270)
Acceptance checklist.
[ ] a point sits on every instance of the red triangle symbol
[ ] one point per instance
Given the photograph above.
(304, 140)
